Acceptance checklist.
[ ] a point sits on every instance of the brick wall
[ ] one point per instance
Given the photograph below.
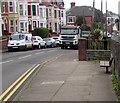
(98, 55)
(88, 20)
(3, 44)
(82, 49)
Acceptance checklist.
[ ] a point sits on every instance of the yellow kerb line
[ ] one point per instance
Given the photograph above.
(15, 83)
(18, 85)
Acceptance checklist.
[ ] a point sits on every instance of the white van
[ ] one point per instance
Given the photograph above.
(20, 41)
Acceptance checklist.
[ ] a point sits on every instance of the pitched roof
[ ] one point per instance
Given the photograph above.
(80, 11)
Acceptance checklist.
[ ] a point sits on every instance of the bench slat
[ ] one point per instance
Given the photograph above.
(104, 63)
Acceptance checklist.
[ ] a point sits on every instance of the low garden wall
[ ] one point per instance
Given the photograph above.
(98, 54)
(3, 44)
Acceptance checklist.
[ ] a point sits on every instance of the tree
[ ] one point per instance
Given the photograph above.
(42, 32)
(96, 36)
(85, 27)
(80, 20)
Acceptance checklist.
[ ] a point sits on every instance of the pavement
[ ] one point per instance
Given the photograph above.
(67, 79)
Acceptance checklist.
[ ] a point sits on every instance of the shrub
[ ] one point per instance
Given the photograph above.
(42, 32)
(116, 85)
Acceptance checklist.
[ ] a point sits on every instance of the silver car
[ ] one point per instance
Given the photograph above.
(50, 42)
(38, 42)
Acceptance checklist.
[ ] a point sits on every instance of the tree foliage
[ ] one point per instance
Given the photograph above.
(84, 27)
(42, 32)
(97, 35)
(80, 20)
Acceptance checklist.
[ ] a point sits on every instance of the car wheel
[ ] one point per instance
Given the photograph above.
(45, 46)
(52, 46)
(62, 47)
(39, 46)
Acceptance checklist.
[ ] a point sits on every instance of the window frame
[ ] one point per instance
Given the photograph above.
(34, 10)
(10, 6)
(21, 29)
(12, 26)
(4, 7)
(21, 9)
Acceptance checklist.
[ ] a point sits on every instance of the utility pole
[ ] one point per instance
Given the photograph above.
(106, 18)
(102, 15)
(105, 38)
(93, 16)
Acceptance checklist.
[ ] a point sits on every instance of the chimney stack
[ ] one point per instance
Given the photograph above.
(72, 4)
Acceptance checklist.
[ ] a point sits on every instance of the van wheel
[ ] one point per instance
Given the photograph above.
(32, 47)
(25, 48)
(9, 50)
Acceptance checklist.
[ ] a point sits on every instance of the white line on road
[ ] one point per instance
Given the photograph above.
(51, 51)
(24, 57)
(39, 53)
(6, 62)
(52, 82)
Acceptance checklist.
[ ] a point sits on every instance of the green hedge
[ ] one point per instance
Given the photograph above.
(42, 32)
(4, 37)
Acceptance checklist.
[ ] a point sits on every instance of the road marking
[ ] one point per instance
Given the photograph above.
(52, 82)
(21, 82)
(39, 53)
(50, 50)
(6, 62)
(15, 83)
(75, 60)
(24, 57)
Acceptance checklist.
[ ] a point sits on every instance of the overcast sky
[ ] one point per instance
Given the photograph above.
(112, 5)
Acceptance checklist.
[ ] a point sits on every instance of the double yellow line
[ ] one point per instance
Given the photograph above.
(20, 81)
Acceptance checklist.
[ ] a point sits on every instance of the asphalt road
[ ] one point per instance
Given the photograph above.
(14, 64)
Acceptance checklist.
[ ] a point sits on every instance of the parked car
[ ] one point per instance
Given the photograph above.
(57, 39)
(20, 41)
(38, 42)
(50, 42)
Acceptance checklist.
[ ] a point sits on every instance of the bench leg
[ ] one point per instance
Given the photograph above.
(106, 69)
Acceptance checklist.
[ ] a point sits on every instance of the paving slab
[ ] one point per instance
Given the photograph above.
(67, 79)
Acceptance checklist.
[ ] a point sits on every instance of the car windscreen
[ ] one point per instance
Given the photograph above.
(55, 38)
(17, 37)
(69, 31)
(34, 38)
(46, 39)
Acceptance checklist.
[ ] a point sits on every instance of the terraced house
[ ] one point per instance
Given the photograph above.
(10, 16)
(23, 15)
(26, 15)
(53, 17)
(56, 14)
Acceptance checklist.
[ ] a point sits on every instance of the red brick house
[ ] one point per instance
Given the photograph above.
(75, 11)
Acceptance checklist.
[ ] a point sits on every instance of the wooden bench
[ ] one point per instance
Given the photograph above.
(106, 64)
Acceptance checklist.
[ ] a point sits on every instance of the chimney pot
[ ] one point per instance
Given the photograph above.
(72, 4)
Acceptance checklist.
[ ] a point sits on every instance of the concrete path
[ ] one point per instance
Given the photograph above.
(67, 79)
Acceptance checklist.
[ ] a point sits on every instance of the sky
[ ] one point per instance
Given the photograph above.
(112, 5)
